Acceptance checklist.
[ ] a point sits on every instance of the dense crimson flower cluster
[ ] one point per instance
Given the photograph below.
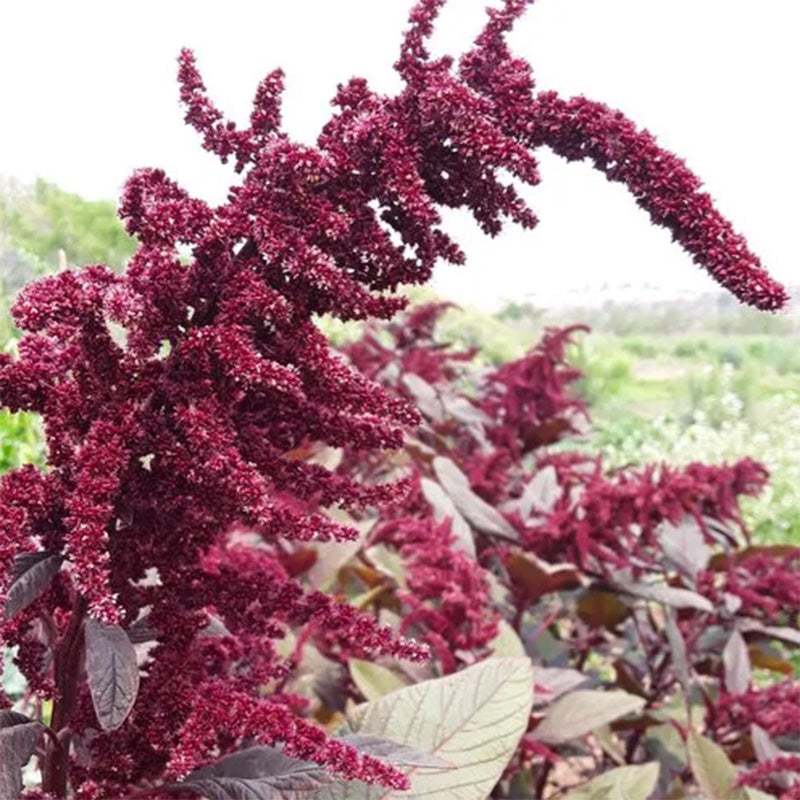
(447, 599)
(179, 399)
(606, 523)
(776, 709)
(772, 776)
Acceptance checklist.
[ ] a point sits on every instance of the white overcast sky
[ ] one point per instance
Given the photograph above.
(87, 93)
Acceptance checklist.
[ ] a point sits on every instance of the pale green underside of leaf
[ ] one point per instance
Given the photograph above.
(580, 712)
(473, 720)
(624, 783)
(713, 771)
(373, 680)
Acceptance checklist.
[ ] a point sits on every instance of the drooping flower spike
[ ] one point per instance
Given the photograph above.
(176, 396)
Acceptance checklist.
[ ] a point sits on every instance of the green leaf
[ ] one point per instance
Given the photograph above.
(473, 720)
(714, 773)
(389, 563)
(752, 793)
(580, 712)
(623, 783)
(507, 643)
(373, 680)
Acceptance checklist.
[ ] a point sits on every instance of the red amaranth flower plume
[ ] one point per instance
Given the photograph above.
(176, 396)
(447, 601)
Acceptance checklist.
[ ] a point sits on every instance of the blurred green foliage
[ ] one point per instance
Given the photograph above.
(37, 221)
(21, 440)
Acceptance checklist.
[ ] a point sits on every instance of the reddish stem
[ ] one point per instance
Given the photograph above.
(66, 666)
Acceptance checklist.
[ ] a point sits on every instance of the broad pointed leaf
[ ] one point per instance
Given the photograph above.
(265, 773)
(444, 508)
(476, 510)
(677, 647)
(536, 577)
(668, 595)
(555, 681)
(541, 493)
(373, 680)
(473, 720)
(31, 575)
(785, 634)
(19, 736)
(715, 774)
(9, 718)
(464, 411)
(258, 773)
(507, 643)
(623, 783)
(684, 545)
(766, 750)
(401, 755)
(580, 712)
(425, 396)
(112, 672)
(601, 609)
(736, 661)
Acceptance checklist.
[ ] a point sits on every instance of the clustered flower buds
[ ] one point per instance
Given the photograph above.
(177, 396)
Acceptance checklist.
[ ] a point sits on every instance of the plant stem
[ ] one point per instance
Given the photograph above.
(541, 782)
(66, 665)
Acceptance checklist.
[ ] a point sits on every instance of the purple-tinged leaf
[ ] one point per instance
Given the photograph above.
(31, 574)
(677, 646)
(580, 712)
(476, 510)
(19, 736)
(257, 773)
(736, 661)
(444, 508)
(785, 634)
(265, 773)
(732, 602)
(766, 750)
(425, 396)
(541, 493)
(141, 632)
(466, 412)
(684, 545)
(668, 595)
(112, 672)
(9, 718)
(552, 682)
